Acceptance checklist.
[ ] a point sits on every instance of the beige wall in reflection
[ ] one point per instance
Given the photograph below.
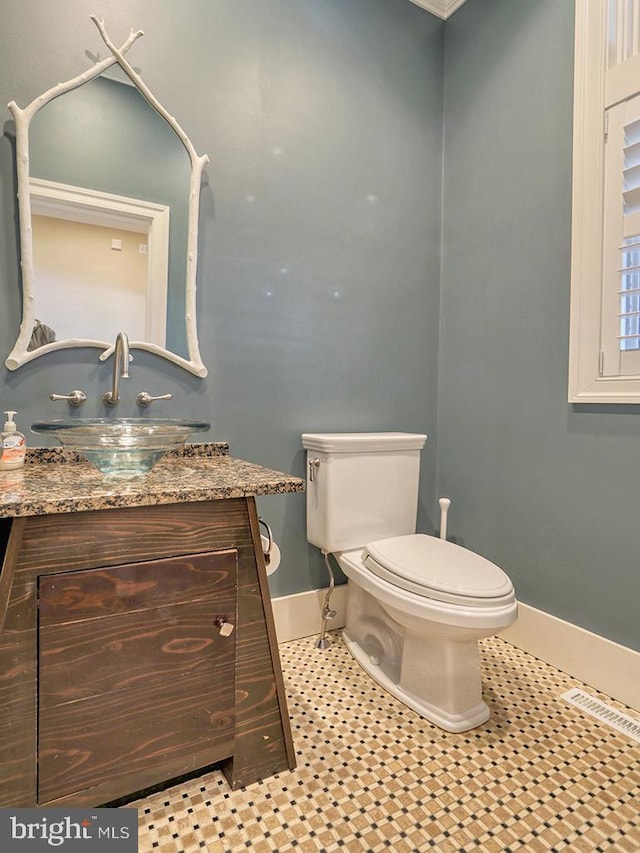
(95, 289)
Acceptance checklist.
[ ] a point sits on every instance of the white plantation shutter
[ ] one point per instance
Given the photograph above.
(629, 294)
(620, 328)
(629, 274)
(623, 31)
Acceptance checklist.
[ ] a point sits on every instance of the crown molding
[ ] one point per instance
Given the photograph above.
(442, 8)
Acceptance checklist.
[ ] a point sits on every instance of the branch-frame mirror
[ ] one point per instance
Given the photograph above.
(153, 297)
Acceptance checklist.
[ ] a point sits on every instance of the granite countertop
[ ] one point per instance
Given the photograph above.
(56, 481)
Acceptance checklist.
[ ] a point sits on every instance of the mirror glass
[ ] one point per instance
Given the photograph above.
(108, 188)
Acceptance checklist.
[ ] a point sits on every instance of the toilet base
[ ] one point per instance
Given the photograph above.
(431, 668)
(450, 722)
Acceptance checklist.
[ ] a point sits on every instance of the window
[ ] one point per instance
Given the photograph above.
(604, 360)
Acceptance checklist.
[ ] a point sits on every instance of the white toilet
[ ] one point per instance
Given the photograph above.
(416, 605)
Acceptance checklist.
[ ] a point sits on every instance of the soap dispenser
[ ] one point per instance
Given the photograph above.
(13, 445)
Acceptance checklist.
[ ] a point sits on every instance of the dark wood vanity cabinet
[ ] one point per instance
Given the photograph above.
(137, 646)
(134, 672)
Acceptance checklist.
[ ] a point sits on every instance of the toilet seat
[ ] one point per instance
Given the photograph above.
(438, 570)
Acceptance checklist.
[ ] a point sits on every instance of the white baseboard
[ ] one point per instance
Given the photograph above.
(601, 663)
(300, 615)
(605, 665)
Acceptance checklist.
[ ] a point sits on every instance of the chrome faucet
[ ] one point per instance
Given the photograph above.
(120, 369)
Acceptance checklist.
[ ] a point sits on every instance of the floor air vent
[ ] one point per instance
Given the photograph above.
(604, 713)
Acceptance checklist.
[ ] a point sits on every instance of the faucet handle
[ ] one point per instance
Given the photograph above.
(75, 398)
(145, 399)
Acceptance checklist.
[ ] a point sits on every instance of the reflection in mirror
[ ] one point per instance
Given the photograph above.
(107, 267)
(105, 137)
(108, 187)
(84, 249)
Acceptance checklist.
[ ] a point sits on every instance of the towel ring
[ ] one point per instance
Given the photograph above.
(267, 553)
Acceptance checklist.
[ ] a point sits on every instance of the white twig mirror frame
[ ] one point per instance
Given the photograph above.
(21, 354)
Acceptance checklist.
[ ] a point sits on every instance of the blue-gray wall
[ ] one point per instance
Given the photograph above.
(546, 489)
(320, 287)
(320, 227)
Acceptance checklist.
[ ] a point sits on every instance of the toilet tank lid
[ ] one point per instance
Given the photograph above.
(362, 442)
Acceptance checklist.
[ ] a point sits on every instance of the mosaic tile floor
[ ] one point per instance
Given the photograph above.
(374, 776)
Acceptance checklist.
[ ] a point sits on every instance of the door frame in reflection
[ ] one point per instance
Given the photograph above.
(79, 204)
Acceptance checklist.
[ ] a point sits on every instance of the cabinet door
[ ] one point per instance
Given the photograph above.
(136, 680)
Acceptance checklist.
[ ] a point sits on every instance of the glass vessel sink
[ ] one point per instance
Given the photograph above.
(121, 447)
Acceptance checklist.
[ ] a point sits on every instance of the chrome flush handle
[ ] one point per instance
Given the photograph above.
(314, 464)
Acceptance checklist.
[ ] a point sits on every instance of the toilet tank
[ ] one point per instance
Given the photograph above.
(361, 487)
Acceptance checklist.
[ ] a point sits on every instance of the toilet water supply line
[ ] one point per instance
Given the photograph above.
(327, 613)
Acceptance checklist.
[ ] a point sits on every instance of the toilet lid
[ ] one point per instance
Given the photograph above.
(438, 569)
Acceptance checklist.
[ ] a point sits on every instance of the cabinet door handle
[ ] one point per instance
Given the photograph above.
(225, 628)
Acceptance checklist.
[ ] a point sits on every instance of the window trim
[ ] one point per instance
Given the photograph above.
(586, 385)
